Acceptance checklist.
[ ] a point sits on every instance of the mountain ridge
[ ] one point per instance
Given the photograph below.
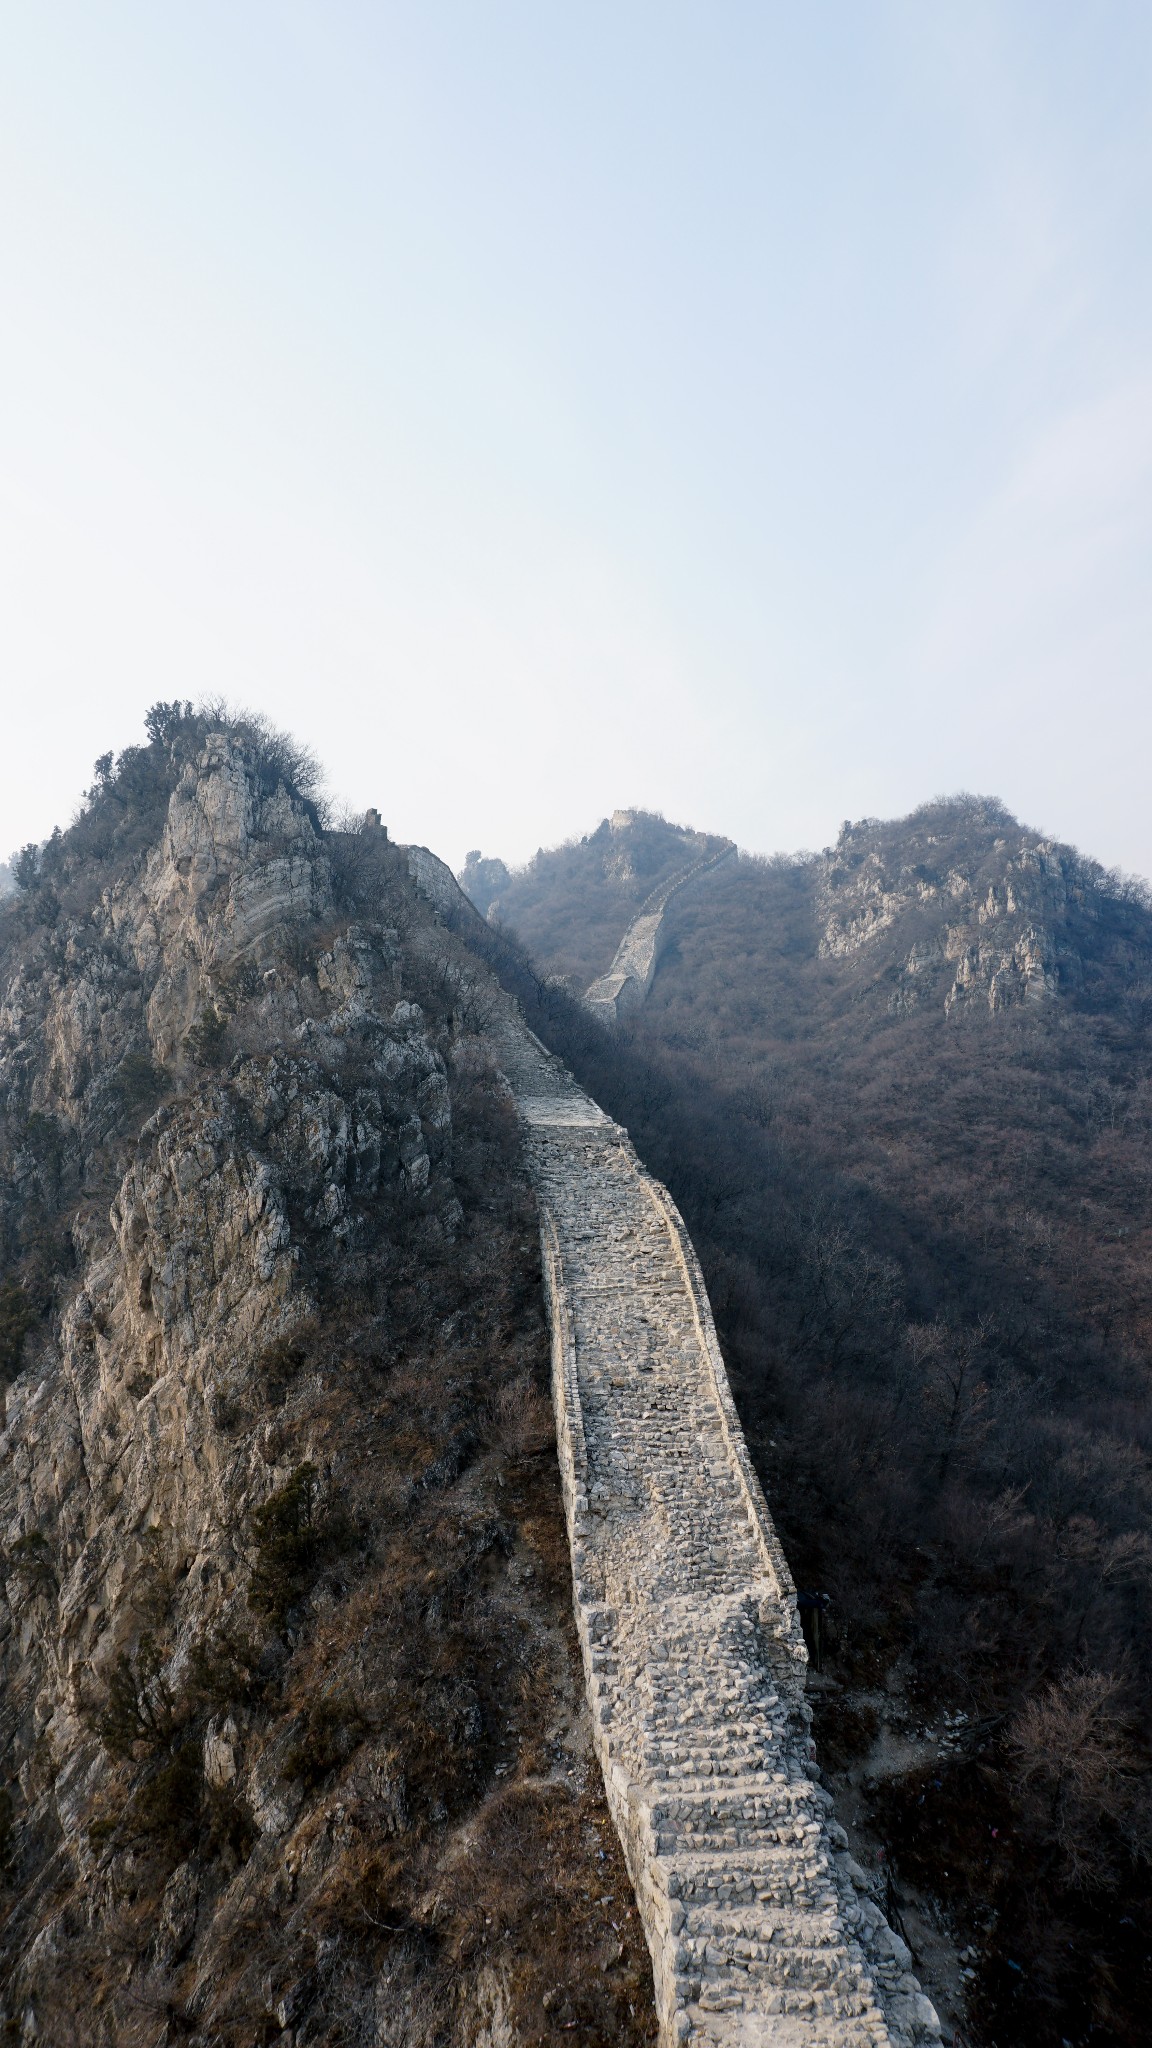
(925, 1231)
(276, 1477)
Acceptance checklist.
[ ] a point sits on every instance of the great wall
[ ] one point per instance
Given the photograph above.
(763, 1931)
(628, 980)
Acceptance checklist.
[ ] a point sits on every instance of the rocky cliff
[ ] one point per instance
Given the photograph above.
(293, 1731)
(980, 909)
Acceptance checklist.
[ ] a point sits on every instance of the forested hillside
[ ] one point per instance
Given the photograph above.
(570, 906)
(903, 1093)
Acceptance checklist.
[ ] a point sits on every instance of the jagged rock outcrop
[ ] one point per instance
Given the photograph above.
(482, 882)
(264, 1504)
(1005, 915)
(234, 873)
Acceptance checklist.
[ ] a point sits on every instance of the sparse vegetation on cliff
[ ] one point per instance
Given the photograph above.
(294, 1728)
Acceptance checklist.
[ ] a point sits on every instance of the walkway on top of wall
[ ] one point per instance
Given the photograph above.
(762, 1930)
(629, 978)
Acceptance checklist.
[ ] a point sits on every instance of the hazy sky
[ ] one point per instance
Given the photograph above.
(743, 410)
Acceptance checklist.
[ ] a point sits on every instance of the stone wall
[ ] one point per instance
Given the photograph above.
(761, 1927)
(629, 978)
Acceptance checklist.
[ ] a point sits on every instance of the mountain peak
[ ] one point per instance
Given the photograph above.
(973, 907)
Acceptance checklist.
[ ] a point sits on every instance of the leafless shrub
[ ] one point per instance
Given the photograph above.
(521, 1419)
(1073, 1750)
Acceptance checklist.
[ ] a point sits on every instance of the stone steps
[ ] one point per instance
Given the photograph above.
(693, 1652)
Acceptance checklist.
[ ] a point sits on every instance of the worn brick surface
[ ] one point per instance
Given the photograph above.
(761, 1928)
(763, 1931)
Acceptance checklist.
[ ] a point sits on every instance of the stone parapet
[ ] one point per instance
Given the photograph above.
(763, 1932)
(760, 1927)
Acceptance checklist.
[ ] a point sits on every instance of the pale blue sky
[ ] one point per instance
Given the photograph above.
(742, 410)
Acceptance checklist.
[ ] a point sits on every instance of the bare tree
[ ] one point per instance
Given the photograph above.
(1080, 1771)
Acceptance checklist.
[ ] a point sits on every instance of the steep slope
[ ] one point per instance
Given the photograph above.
(294, 1734)
(902, 1093)
(570, 906)
(623, 988)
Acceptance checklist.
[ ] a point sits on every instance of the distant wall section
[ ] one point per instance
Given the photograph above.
(629, 978)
